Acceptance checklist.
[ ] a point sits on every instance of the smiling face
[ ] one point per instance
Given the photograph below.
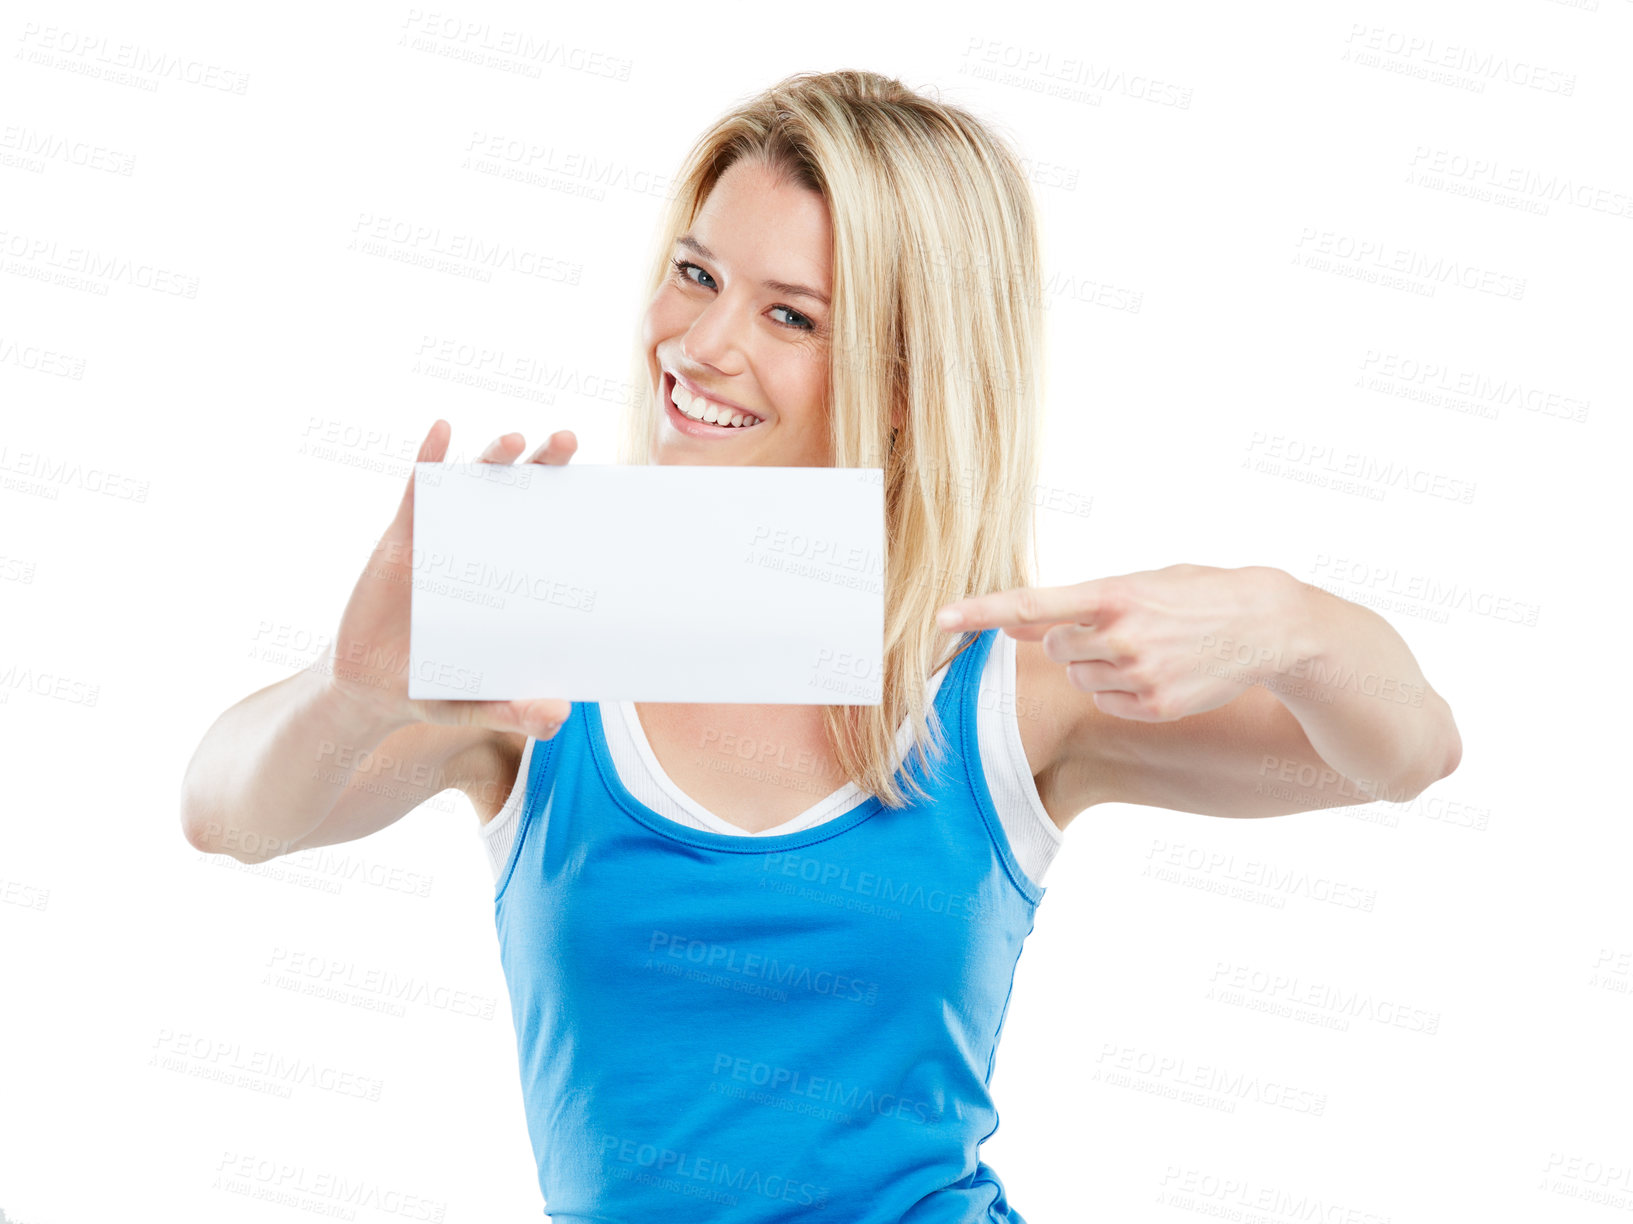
(741, 323)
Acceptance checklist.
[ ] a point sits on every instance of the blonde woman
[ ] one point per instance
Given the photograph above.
(759, 957)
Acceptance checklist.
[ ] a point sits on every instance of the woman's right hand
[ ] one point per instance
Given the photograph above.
(370, 658)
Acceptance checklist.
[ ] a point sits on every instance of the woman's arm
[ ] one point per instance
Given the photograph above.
(300, 764)
(1239, 692)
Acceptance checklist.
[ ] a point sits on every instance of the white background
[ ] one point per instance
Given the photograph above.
(192, 484)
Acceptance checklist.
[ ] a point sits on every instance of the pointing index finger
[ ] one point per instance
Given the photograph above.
(1022, 606)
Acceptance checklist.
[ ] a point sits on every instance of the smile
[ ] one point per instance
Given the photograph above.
(700, 417)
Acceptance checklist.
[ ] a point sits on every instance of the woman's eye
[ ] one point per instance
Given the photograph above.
(682, 265)
(802, 322)
(685, 267)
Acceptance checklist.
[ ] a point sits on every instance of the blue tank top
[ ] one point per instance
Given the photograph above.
(751, 1028)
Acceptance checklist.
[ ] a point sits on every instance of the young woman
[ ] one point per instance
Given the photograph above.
(759, 957)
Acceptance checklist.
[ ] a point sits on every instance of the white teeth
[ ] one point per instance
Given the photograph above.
(711, 412)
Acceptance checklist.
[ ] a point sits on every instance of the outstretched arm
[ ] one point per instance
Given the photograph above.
(1239, 692)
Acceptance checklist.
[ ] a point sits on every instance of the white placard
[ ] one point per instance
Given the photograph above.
(668, 582)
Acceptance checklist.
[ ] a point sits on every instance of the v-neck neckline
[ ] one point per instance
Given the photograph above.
(796, 822)
(742, 840)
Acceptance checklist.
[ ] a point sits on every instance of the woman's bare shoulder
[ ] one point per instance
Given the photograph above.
(1046, 709)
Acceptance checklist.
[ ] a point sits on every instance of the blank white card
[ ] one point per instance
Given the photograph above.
(668, 582)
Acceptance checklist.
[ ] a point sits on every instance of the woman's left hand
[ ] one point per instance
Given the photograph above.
(1156, 645)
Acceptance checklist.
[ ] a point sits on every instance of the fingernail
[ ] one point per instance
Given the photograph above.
(947, 618)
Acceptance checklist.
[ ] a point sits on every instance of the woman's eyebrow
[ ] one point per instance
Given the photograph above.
(691, 243)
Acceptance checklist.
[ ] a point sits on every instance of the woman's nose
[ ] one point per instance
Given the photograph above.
(714, 335)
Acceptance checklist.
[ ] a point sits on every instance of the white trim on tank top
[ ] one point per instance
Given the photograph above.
(1032, 835)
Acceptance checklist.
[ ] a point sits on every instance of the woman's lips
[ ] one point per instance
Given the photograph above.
(690, 426)
(719, 401)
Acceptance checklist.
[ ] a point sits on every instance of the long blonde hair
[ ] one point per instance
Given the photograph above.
(936, 313)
